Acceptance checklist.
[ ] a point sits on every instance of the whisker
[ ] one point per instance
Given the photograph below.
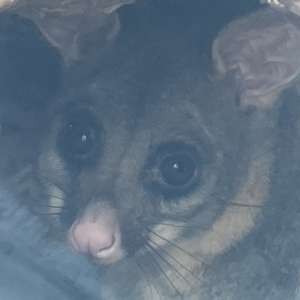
(152, 257)
(145, 274)
(174, 225)
(183, 226)
(164, 273)
(244, 205)
(52, 196)
(51, 206)
(177, 261)
(263, 152)
(229, 203)
(52, 182)
(178, 247)
(50, 213)
(171, 267)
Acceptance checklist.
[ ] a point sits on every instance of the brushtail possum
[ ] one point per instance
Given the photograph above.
(156, 167)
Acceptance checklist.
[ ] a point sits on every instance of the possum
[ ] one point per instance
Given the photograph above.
(157, 166)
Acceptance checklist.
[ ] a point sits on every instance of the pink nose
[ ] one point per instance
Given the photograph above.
(97, 233)
(92, 239)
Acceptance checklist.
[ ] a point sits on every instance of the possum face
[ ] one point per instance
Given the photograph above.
(129, 177)
(156, 156)
(158, 178)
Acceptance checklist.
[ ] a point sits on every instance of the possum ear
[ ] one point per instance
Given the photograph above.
(68, 33)
(263, 51)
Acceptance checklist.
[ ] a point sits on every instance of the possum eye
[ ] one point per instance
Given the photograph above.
(176, 168)
(79, 139)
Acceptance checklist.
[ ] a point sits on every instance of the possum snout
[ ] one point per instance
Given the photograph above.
(97, 234)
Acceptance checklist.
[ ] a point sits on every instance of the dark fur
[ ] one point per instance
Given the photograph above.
(155, 92)
(155, 88)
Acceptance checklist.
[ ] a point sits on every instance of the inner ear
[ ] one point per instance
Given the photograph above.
(263, 50)
(69, 34)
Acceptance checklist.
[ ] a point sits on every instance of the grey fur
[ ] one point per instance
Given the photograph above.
(158, 89)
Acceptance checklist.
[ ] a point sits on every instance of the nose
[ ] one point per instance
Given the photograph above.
(98, 237)
(90, 238)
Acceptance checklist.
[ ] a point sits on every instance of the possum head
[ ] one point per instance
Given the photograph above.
(157, 175)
